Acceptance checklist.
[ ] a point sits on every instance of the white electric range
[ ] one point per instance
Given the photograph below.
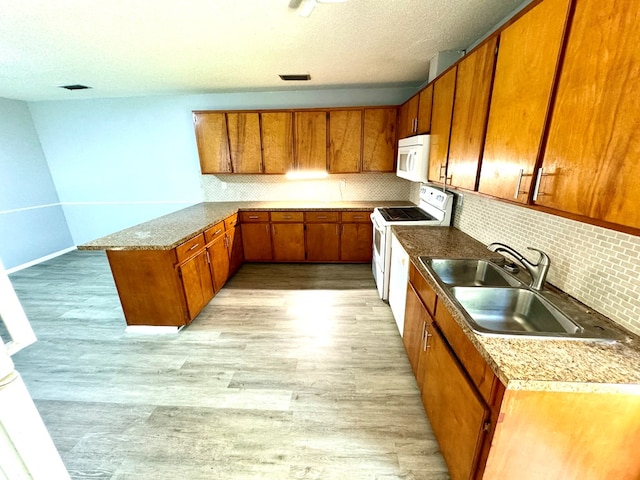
(435, 208)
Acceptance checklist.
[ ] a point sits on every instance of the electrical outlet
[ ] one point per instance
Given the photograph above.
(343, 183)
(223, 185)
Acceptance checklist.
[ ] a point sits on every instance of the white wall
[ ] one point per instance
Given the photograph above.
(119, 162)
(32, 223)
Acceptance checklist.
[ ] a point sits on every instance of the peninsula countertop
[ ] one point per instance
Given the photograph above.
(169, 231)
(524, 363)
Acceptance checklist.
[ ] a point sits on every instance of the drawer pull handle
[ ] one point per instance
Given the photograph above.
(194, 246)
(217, 232)
(253, 217)
(322, 216)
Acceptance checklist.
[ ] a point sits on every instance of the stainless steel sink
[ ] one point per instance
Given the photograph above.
(514, 311)
(469, 272)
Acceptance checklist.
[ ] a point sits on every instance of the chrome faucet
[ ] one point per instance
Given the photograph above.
(538, 271)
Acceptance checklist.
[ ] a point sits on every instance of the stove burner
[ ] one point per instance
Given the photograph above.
(405, 214)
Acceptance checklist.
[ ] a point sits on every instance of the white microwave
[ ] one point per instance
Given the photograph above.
(413, 158)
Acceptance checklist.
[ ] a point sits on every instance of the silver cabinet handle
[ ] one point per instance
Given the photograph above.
(517, 192)
(537, 189)
(194, 246)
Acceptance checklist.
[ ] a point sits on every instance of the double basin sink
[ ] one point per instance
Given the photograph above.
(494, 302)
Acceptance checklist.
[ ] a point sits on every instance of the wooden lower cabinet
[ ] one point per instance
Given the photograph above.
(219, 258)
(256, 242)
(196, 282)
(356, 242)
(323, 242)
(416, 320)
(457, 413)
(288, 242)
(236, 252)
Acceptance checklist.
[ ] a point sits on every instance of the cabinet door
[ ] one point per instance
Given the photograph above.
(288, 241)
(443, 92)
(455, 410)
(356, 242)
(345, 141)
(244, 142)
(236, 253)
(219, 258)
(592, 157)
(196, 282)
(379, 140)
(525, 68)
(471, 106)
(408, 119)
(323, 242)
(416, 320)
(277, 141)
(256, 242)
(311, 140)
(424, 109)
(212, 140)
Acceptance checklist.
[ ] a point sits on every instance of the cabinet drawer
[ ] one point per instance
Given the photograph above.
(356, 217)
(253, 217)
(423, 289)
(231, 221)
(475, 365)
(321, 217)
(190, 247)
(214, 232)
(287, 217)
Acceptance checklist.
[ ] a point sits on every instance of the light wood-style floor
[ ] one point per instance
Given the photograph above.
(291, 372)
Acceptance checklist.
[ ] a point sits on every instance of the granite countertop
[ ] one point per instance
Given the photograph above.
(169, 231)
(525, 363)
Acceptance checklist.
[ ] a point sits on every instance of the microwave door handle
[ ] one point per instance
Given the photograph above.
(411, 159)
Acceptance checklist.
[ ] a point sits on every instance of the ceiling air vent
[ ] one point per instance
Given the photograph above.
(74, 87)
(295, 77)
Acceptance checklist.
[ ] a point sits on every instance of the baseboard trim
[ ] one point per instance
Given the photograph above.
(151, 329)
(40, 260)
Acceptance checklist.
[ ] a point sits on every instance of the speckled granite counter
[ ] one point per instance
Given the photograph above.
(168, 231)
(530, 364)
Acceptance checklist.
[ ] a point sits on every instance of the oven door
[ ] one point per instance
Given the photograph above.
(379, 249)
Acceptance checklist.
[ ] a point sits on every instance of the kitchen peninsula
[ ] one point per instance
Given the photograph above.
(167, 269)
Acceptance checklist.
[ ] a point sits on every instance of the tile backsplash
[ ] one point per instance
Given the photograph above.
(335, 188)
(598, 266)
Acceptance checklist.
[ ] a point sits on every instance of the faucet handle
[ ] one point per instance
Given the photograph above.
(543, 259)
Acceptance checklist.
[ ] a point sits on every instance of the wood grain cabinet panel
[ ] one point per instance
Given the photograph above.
(244, 142)
(407, 118)
(345, 141)
(212, 141)
(288, 242)
(471, 106)
(592, 156)
(311, 140)
(443, 94)
(219, 261)
(416, 320)
(322, 242)
(425, 105)
(379, 140)
(234, 245)
(277, 141)
(525, 68)
(196, 282)
(456, 411)
(256, 241)
(356, 242)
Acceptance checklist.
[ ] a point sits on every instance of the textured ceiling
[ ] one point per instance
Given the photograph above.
(144, 47)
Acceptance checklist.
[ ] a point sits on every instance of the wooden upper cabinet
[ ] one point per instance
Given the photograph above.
(345, 141)
(424, 109)
(277, 141)
(408, 118)
(311, 140)
(213, 145)
(442, 111)
(471, 106)
(379, 140)
(592, 157)
(244, 142)
(526, 64)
